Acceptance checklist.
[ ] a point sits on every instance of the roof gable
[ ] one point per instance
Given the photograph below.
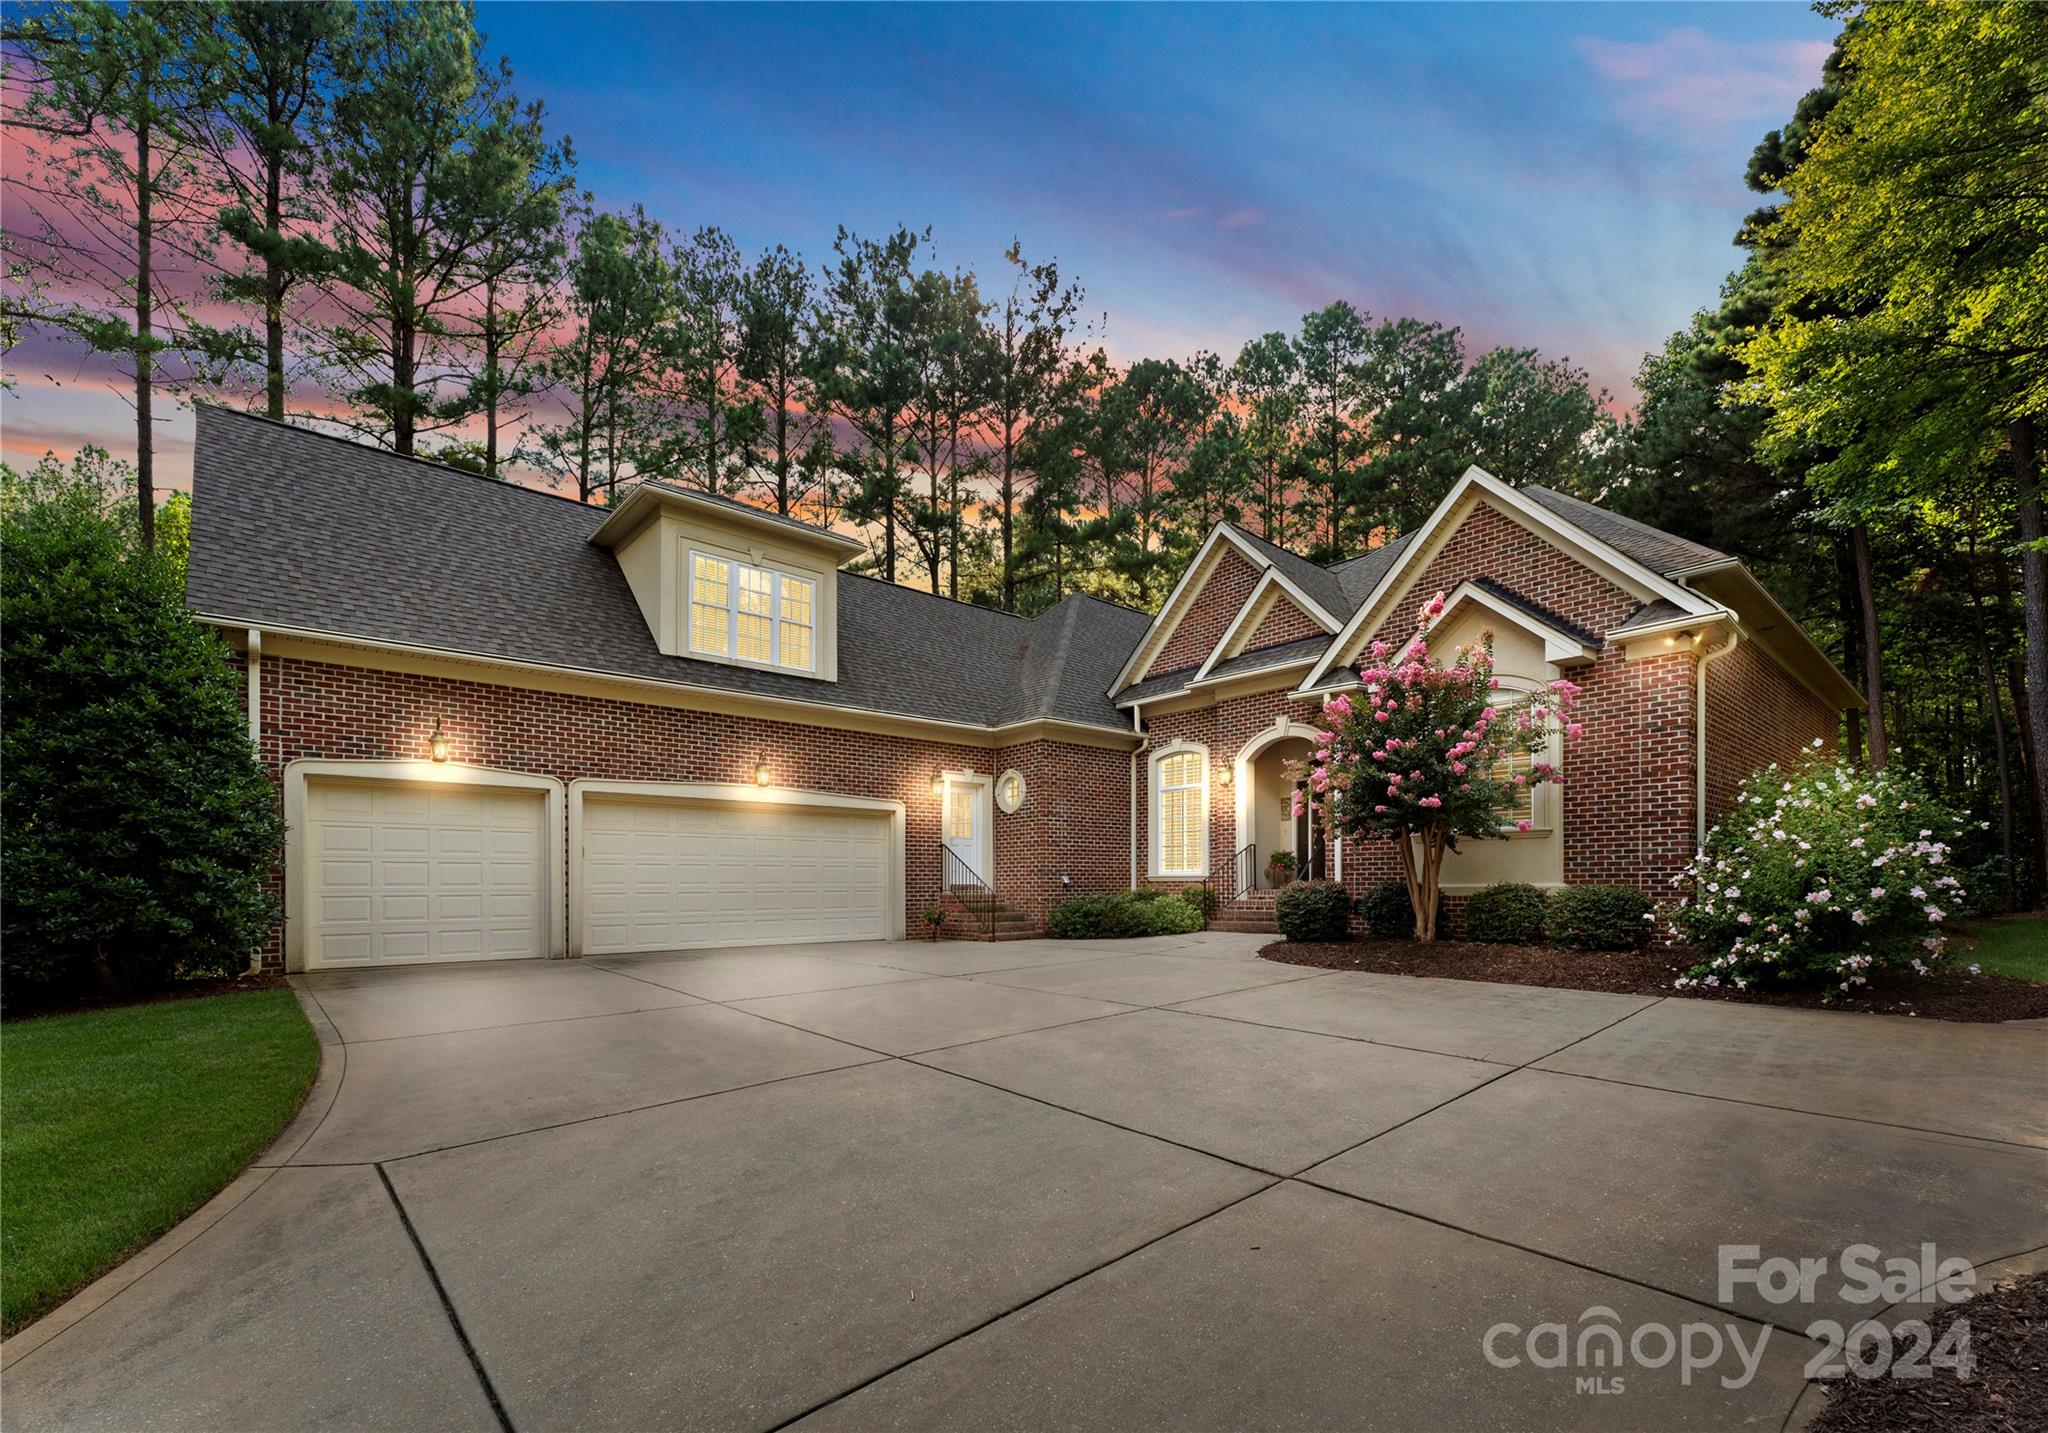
(1479, 489)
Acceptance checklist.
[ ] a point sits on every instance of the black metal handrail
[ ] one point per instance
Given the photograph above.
(960, 883)
(1226, 883)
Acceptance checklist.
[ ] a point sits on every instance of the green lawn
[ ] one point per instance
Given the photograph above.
(2016, 945)
(115, 1124)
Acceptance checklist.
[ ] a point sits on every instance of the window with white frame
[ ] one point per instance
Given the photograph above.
(751, 614)
(1180, 801)
(1513, 764)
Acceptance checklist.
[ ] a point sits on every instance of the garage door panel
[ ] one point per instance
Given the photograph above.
(405, 874)
(671, 875)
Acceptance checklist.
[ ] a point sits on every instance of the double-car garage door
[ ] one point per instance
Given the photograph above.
(673, 875)
(402, 873)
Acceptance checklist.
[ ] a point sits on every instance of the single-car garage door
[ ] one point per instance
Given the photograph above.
(671, 875)
(403, 874)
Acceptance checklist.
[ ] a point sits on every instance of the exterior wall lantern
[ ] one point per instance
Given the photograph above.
(938, 783)
(437, 744)
(761, 772)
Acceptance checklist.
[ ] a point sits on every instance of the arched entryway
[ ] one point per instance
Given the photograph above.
(1265, 798)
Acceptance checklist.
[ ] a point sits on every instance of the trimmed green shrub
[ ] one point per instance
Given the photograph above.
(1598, 918)
(1203, 900)
(1124, 914)
(1509, 911)
(1313, 910)
(1388, 913)
(136, 826)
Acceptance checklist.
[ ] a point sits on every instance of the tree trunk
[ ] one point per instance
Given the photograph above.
(273, 292)
(889, 502)
(491, 377)
(782, 445)
(2034, 605)
(1009, 495)
(145, 357)
(1997, 707)
(1873, 657)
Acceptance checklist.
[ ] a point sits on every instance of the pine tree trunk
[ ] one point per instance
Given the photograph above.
(1009, 495)
(1873, 657)
(1997, 709)
(2034, 606)
(491, 377)
(273, 293)
(145, 357)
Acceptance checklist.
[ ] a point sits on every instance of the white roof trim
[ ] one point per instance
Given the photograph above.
(1170, 617)
(1243, 625)
(1560, 648)
(1560, 531)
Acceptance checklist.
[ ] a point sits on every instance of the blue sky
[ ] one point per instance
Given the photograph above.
(1559, 176)
(1563, 177)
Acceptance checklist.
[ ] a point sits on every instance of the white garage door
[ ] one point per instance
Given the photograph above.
(405, 874)
(668, 875)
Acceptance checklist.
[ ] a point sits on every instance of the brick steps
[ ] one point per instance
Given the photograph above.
(1012, 922)
(1253, 913)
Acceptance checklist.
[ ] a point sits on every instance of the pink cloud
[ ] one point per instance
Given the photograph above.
(1689, 77)
(1241, 219)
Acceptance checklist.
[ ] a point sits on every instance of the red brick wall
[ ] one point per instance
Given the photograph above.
(1074, 821)
(1489, 544)
(1628, 782)
(1757, 713)
(1284, 623)
(1209, 616)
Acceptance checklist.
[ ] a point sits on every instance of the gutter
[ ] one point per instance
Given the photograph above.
(1699, 797)
(1144, 745)
(255, 670)
(1024, 729)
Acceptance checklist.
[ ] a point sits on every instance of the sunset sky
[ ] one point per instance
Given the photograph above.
(1564, 177)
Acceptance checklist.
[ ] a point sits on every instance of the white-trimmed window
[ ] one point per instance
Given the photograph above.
(1180, 805)
(749, 614)
(1507, 708)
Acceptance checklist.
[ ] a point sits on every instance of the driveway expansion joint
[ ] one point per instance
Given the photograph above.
(469, 1352)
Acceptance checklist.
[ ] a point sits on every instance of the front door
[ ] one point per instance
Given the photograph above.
(967, 827)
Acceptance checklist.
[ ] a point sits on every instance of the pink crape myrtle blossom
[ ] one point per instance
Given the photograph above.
(1413, 757)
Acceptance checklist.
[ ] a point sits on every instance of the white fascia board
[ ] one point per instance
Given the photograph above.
(1559, 646)
(1241, 624)
(1566, 535)
(1171, 611)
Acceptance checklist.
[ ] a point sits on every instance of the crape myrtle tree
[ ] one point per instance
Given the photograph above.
(1421, 756)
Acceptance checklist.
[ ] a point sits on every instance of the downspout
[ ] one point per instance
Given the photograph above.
(1699, 797)
(1138, 726)
(255, 667)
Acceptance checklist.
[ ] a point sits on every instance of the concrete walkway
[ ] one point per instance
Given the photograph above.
(1118, 1185)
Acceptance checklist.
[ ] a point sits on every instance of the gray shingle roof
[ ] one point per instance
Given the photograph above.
(298, 529)
(1320, 583)
(1660, 551)
(1356, 575)
(1647, 615)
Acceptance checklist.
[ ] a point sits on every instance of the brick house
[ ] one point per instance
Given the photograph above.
(506, 724)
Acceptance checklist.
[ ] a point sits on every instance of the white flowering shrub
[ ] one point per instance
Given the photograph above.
(1819, 875)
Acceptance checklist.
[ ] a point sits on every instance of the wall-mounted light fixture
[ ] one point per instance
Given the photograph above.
(1225, 776)
(437, 744)
(938, 783)
(761, 772)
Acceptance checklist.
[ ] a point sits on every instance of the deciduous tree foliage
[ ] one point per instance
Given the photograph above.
(1913, 247)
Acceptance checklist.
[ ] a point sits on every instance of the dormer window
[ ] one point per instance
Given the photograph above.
(755, 615)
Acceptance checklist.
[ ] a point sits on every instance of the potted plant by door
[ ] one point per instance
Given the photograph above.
(1279, 869)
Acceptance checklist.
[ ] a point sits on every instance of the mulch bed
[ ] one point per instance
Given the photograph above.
(2007, 1391)
(1951, 994)
(73, 1003)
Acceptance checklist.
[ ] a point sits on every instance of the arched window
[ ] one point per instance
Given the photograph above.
(1180, 811)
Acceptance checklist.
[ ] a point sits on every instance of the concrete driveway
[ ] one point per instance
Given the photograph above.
(1154, 1184)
